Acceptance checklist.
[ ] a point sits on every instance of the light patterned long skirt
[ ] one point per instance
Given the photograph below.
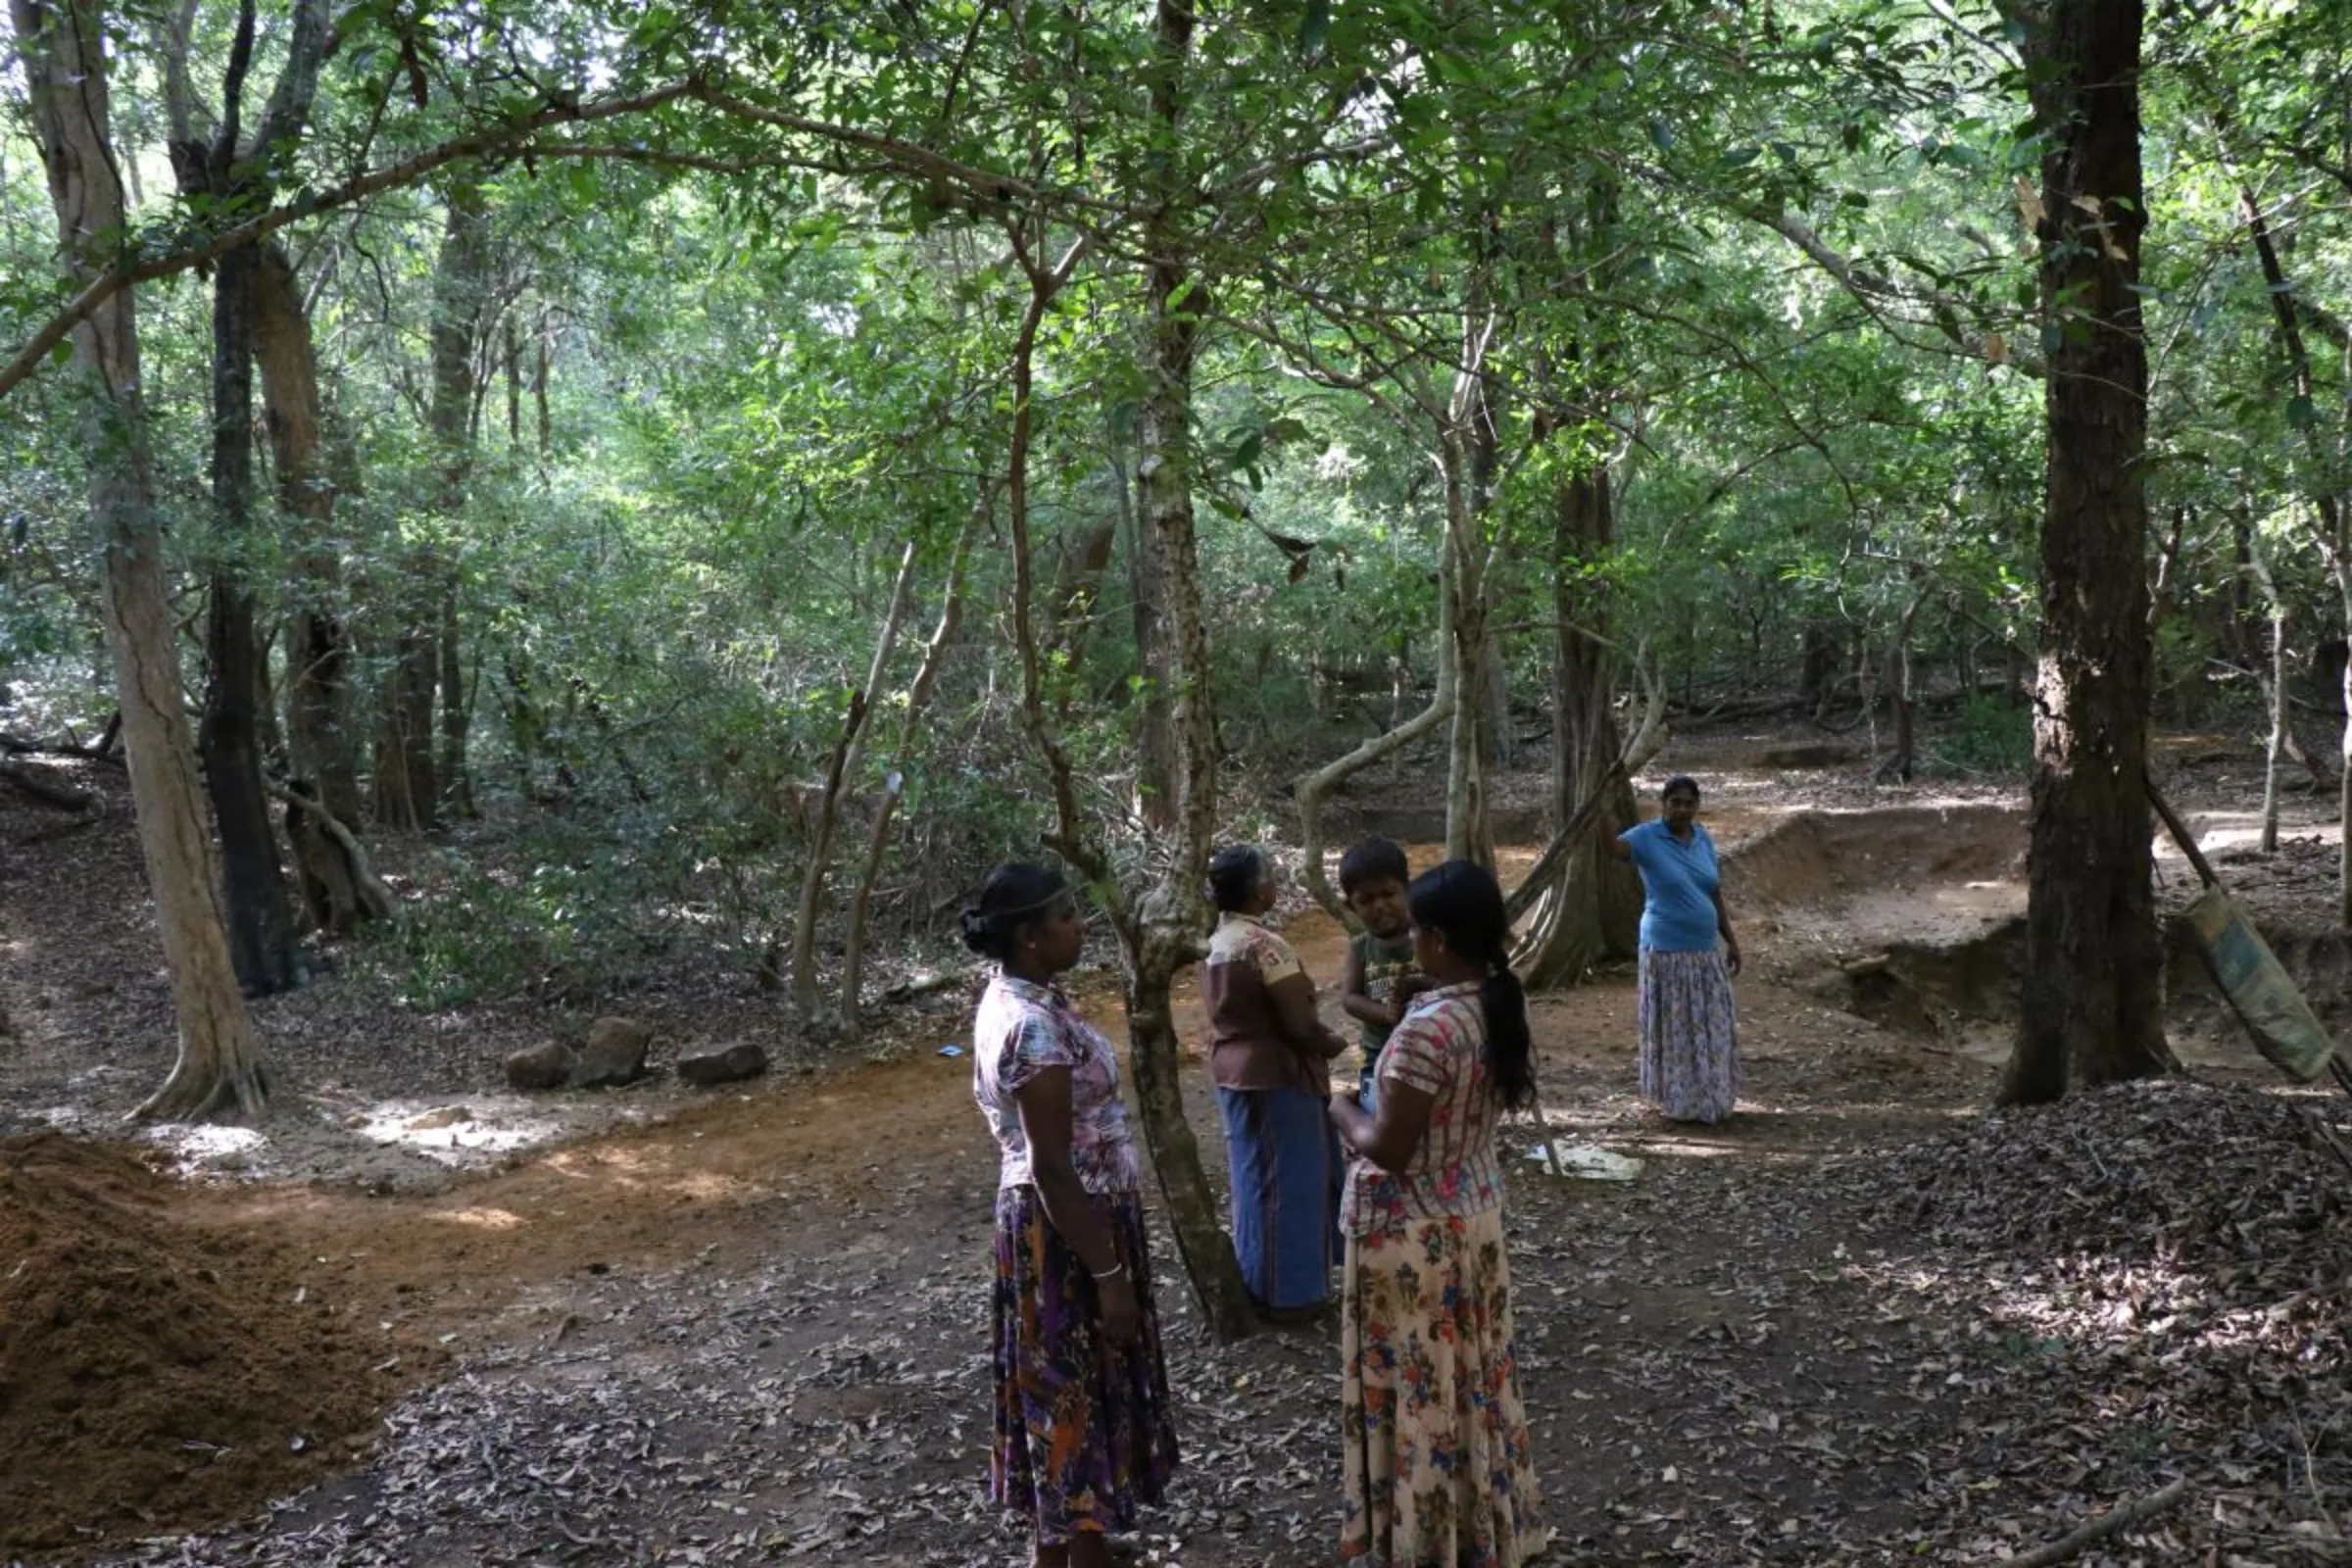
(1432, 1436)
(1689, 1045)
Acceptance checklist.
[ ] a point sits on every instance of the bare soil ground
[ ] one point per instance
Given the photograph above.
(1862, 1323)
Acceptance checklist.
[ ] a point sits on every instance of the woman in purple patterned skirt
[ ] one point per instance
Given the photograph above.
(1084, 1435)
(1690, 1046)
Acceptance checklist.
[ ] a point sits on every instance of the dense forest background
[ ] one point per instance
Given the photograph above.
(728, 473)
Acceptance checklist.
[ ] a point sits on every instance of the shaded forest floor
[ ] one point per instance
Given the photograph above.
(1862, 1323)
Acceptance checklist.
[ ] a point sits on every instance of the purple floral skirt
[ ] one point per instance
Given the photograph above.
(1085, 1434)
(1690, 1049)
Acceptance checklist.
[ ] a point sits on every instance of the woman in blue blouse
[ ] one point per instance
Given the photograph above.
(1690, 1051)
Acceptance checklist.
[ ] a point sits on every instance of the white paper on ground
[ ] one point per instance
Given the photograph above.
(1587, 1160)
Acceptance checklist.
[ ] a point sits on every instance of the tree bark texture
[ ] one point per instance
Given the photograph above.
(318, 648)
(461, 320)
(1594, 911)
(1468, 451)
(262, 938)
(219, 1063)
(238, 724)
(1158, 782)
(1164, 935)
(2092, 1003)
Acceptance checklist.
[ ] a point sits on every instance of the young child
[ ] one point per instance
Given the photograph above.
(1382, 978)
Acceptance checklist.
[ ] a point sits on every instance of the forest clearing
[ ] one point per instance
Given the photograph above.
(1858, 1324)
(1641, 710)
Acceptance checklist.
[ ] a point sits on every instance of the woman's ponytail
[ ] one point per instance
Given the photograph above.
(1509, 1041)
(1462, 901)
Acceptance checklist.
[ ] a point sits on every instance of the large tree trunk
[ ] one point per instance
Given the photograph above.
(317, 650)
(261, 916)
(234, 731)
(2092, 1003)
(460, 317)
(1593, 911)
(1166, 937)
(219, 1062)
(407, 788)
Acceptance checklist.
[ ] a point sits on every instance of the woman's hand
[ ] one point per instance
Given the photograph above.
(1731, 954)
(1114, 1299)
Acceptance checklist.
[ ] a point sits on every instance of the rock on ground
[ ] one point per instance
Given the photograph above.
(547, 1066)
(615, 1054)
(731, 1065)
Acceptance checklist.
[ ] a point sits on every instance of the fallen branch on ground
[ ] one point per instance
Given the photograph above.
(926, 985)
(2123, 1516)
(64, 797)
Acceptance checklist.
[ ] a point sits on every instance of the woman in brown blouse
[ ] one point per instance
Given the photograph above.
(1269, 1057)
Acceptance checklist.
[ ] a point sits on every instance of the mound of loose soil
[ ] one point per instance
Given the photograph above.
(152, 1373)
(1814, 858)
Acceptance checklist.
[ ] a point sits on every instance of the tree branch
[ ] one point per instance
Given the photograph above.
(408, 171)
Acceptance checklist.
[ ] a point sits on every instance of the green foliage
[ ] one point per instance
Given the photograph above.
(1768, 271)
(1988, 737)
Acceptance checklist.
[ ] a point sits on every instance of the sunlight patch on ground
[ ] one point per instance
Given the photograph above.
(2233, 830)
(194, 1146)
(485, 1220)
(455, 1134)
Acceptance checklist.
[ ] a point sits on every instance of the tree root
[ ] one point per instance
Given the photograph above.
(190, 1095)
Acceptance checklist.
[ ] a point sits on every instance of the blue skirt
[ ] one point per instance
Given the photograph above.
(1285, 1194)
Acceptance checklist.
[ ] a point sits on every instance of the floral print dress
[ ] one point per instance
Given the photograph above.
(1439, 1467)
(1085, 1434)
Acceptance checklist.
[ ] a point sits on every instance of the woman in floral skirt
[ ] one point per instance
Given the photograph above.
(1440, 1472)
(1084, 1436)
(1688, 1033)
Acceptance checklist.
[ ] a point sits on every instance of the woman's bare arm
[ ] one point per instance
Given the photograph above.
(1390, 1139)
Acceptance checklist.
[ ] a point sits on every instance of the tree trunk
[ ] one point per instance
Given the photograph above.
(261, 939)
(319, 649)
(2092, 1003)
(847, 756)
(1468, 457)
(547, 429)
(1165, 935)
(457, 709)
(1595, 913)
(460, 310)
(407, 788)
(219, 1062)
(1158, 767)
(893, 786)
(2335, 516)
(2275, 751)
